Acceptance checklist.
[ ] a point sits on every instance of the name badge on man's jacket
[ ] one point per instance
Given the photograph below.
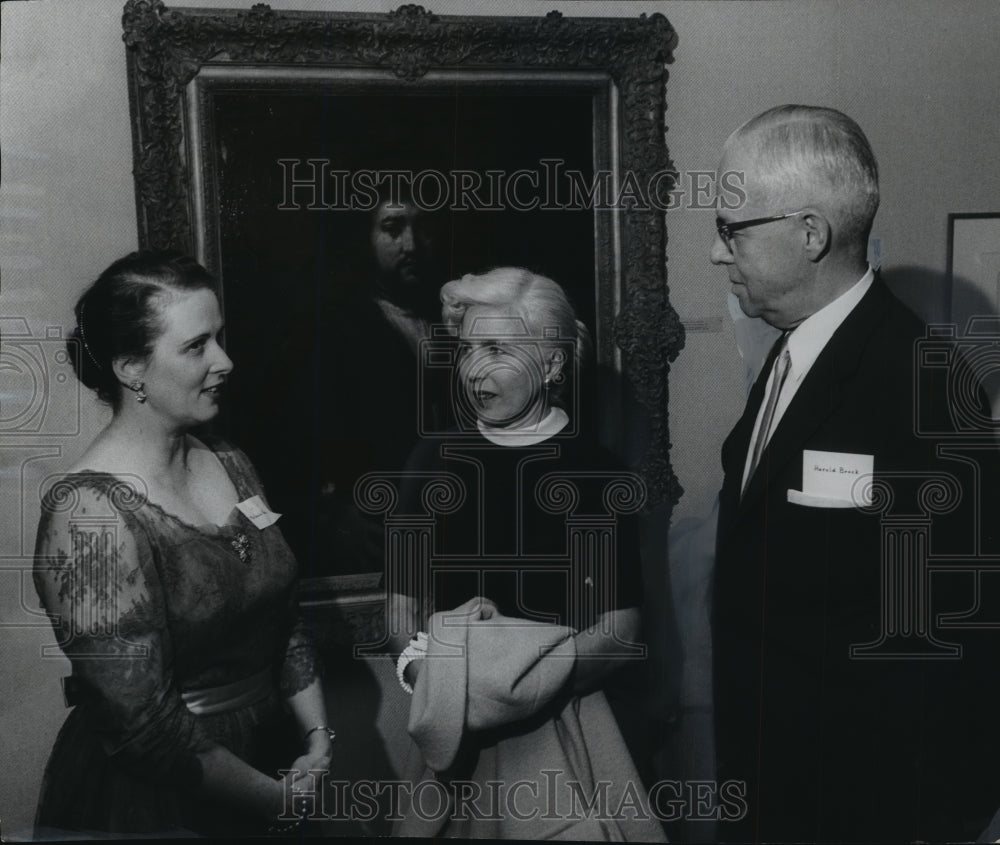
(834, 480)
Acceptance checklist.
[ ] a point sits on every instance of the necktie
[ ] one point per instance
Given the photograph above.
(781, 367)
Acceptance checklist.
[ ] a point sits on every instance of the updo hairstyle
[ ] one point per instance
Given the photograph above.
(541, 303)
(118, 315)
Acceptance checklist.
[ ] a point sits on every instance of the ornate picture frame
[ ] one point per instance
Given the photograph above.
(974, 285)
(180, 61)
(974, 261)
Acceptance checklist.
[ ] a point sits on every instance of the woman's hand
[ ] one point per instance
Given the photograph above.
(317, 758)
(602, 649)
(310, 712)
(412, 671)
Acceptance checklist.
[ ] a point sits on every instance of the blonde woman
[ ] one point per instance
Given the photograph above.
(543, 613)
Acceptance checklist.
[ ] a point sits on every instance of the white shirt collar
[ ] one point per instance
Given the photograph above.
(412, 328)
(553, 422)
(809, 338)
(804, 348)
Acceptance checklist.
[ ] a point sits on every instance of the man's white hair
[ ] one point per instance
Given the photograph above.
(814, 152)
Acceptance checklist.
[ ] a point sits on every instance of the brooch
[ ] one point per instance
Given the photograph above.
(241, 545)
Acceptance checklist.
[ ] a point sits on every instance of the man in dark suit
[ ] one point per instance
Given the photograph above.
(843, 721)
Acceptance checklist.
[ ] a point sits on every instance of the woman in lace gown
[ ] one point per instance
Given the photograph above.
(169, 587)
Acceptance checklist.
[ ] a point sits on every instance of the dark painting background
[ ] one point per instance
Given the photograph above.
(287, 274)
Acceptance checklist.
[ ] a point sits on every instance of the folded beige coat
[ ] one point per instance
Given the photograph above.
(504, 750)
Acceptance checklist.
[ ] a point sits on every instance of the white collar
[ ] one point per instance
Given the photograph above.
(390, 307)
(809, 338)
(527, 435)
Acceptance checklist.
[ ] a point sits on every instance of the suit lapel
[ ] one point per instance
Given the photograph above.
(737, 444)
(820, 393)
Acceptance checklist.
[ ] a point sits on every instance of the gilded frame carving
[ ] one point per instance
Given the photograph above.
(174, 56)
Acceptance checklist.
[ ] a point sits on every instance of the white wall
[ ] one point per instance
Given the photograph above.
(920, 76)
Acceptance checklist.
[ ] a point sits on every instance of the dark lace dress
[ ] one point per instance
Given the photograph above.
(147, 607)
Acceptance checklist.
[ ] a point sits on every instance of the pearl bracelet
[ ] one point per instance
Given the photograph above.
(280, 828)
(416, 650)
(281, 825)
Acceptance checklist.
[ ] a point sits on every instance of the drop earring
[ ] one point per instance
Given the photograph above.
(137, 388)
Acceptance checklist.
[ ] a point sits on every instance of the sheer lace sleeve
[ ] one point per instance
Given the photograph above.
(96, 578)
(301, 666)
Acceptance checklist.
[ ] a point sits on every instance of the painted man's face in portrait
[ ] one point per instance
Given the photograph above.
(401, 244)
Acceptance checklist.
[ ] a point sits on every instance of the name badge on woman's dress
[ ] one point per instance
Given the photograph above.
(257, 512)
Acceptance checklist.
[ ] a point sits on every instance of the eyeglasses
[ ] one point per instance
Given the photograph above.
(726, 230)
